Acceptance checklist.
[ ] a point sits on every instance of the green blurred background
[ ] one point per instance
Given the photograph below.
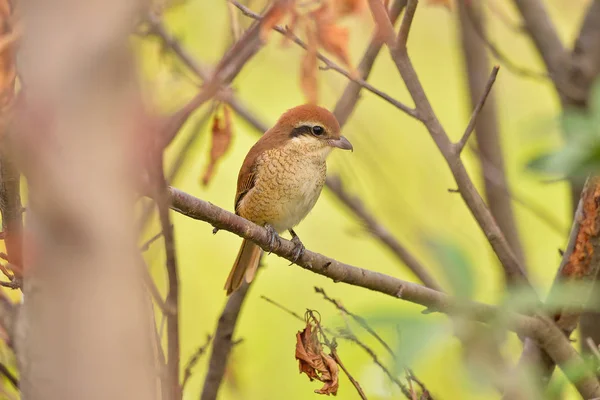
(397, 172)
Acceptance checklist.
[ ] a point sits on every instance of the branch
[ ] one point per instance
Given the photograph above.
(194, 360)
(498, 55)
(172, 300)
(347, 101)
(360, 320)
(486, 122)
(342, 111)
(332, 65)
(334, 183)
(585, 58)
(471, 126)
(352, 338)
(580, 263)
(407, 20)
(544, 332)
(222, 342)
(467, 189)
(545, 38)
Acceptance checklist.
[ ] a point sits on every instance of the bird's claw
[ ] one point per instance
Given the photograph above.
(274, 240)
(298, 248)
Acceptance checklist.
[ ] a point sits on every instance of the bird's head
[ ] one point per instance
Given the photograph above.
(312, 127)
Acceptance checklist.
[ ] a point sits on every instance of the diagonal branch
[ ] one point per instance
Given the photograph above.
(486, 124)
(472, 121)
(545, 37)
(223, 342)
(332, 65)
(342, 111)
(475, 203)
(544, 332)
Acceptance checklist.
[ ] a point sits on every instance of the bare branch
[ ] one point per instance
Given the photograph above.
(360, 320)
(546, 334)
(475, 203)
(543, 33)
(332, 65)
(379, 231)
(407, 20)
(347, 101)
(471, 126)
(172, 301)
(223, 342)
(577, 265)
(352, 338)
(498, 55)
(194, 360)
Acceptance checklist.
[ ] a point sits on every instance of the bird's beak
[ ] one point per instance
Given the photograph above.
(342, 143)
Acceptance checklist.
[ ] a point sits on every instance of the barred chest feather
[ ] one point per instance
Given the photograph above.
(288, 183)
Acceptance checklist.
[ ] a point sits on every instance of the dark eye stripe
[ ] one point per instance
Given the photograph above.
(301, 130)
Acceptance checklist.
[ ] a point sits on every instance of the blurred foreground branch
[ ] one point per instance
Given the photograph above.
(223, 342)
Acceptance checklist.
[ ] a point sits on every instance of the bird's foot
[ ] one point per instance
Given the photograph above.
(274, 239)
(298, 247)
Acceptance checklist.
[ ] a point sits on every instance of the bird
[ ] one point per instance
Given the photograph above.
(281, 179)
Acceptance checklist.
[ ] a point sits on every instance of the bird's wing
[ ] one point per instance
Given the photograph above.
(246, 181)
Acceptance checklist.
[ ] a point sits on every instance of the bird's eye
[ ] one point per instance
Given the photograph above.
(318, 130)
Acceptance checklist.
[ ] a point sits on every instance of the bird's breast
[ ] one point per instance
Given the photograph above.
(286, 188)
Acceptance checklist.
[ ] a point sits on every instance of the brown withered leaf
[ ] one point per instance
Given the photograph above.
(309, 68)
(314, 362)
(221, 133)
(275, 14)
(332, 37)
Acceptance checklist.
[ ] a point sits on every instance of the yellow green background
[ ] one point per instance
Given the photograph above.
(395, 169)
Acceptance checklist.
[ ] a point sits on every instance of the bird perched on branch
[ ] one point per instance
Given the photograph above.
(281, 180)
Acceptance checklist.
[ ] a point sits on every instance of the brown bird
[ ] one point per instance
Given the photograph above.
(281, 180)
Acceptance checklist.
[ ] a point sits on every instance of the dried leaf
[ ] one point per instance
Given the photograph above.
(443, 3)
(332, 384)
(314, 362)
(308, 74)
(275, 14)
(332, 37)
(221, 139)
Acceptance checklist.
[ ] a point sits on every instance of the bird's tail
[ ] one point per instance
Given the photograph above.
(245, 264)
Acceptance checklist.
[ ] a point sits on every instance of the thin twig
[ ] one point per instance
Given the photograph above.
(498, 55)
(9, 375)
(194, 360)
(513, 268)
(332, 65)
(409, 14)
(343, 109)
(349, 336)
(460, 145)
(360, 320)
(149, 242)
